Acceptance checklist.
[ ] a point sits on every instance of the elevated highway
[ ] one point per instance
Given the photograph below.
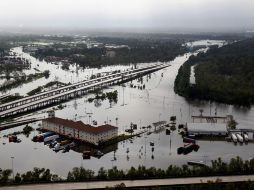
(49, 93)
(67, 92)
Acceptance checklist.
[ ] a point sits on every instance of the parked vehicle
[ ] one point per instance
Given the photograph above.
(98, 153)
(246, 137)
(42, 136)
(86, 155)
(51, 138)
(233, 137)
(52, 144)
(189, 140)
(66, 149)
(14, 138)
(57, 147)
(188, 148)
(62, 145)
(239, 137)
(64, 142)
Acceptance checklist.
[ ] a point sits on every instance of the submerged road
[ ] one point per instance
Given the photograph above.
(131, 183)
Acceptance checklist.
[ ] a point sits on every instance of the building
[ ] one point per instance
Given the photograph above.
(209, 125)
(78, 130)
(211, 119)
(199, 129)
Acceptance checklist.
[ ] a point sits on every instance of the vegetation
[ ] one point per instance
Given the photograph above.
(40, 88)
(223, 74)
(236, 166)
(38, 175)
(35, 91)
(27, 130)
(11, 98)
(23, 80)
(134, 51)
(111, 96)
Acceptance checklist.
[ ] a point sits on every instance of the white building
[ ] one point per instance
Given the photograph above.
(80, 131)
(209, 125)
(216, 129)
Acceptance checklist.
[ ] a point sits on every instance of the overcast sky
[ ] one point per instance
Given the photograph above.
(203, 15)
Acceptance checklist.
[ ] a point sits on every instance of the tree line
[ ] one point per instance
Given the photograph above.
(236, 166)
(223, 74)
(134, 51)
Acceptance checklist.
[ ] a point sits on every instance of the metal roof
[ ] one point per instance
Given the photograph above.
(207, 127)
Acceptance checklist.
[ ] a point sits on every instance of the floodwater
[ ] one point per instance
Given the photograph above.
(143, 107)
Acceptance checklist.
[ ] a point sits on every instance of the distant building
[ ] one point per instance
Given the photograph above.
(78, 130)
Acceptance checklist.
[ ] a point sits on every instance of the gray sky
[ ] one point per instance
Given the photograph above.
(200, 15)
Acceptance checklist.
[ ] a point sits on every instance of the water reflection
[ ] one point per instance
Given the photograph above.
(96, 152)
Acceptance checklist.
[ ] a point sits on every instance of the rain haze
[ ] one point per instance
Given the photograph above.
(129, 15)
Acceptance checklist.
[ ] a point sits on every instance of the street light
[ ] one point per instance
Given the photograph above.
(12, 158)
(145, 144)
(82, 161)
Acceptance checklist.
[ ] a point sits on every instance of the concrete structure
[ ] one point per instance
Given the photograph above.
(78, 130)
(217, 129)
(137, 184)
(70, 91)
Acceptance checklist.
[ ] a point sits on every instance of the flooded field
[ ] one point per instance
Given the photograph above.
(143, 107)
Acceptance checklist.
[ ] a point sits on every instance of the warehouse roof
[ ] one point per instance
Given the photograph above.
(208, 127)
(79, 125)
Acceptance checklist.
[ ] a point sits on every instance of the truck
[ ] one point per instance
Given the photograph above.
(186, 149)
(40, 137)
(61, 145)
(189, 140)
(246, 137)
(239, 137)
(233, 137)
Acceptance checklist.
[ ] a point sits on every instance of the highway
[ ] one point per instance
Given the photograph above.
(18, 123)
(42, 95)
(130, 183)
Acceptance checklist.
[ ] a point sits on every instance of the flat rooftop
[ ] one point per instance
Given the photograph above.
(207, 127)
